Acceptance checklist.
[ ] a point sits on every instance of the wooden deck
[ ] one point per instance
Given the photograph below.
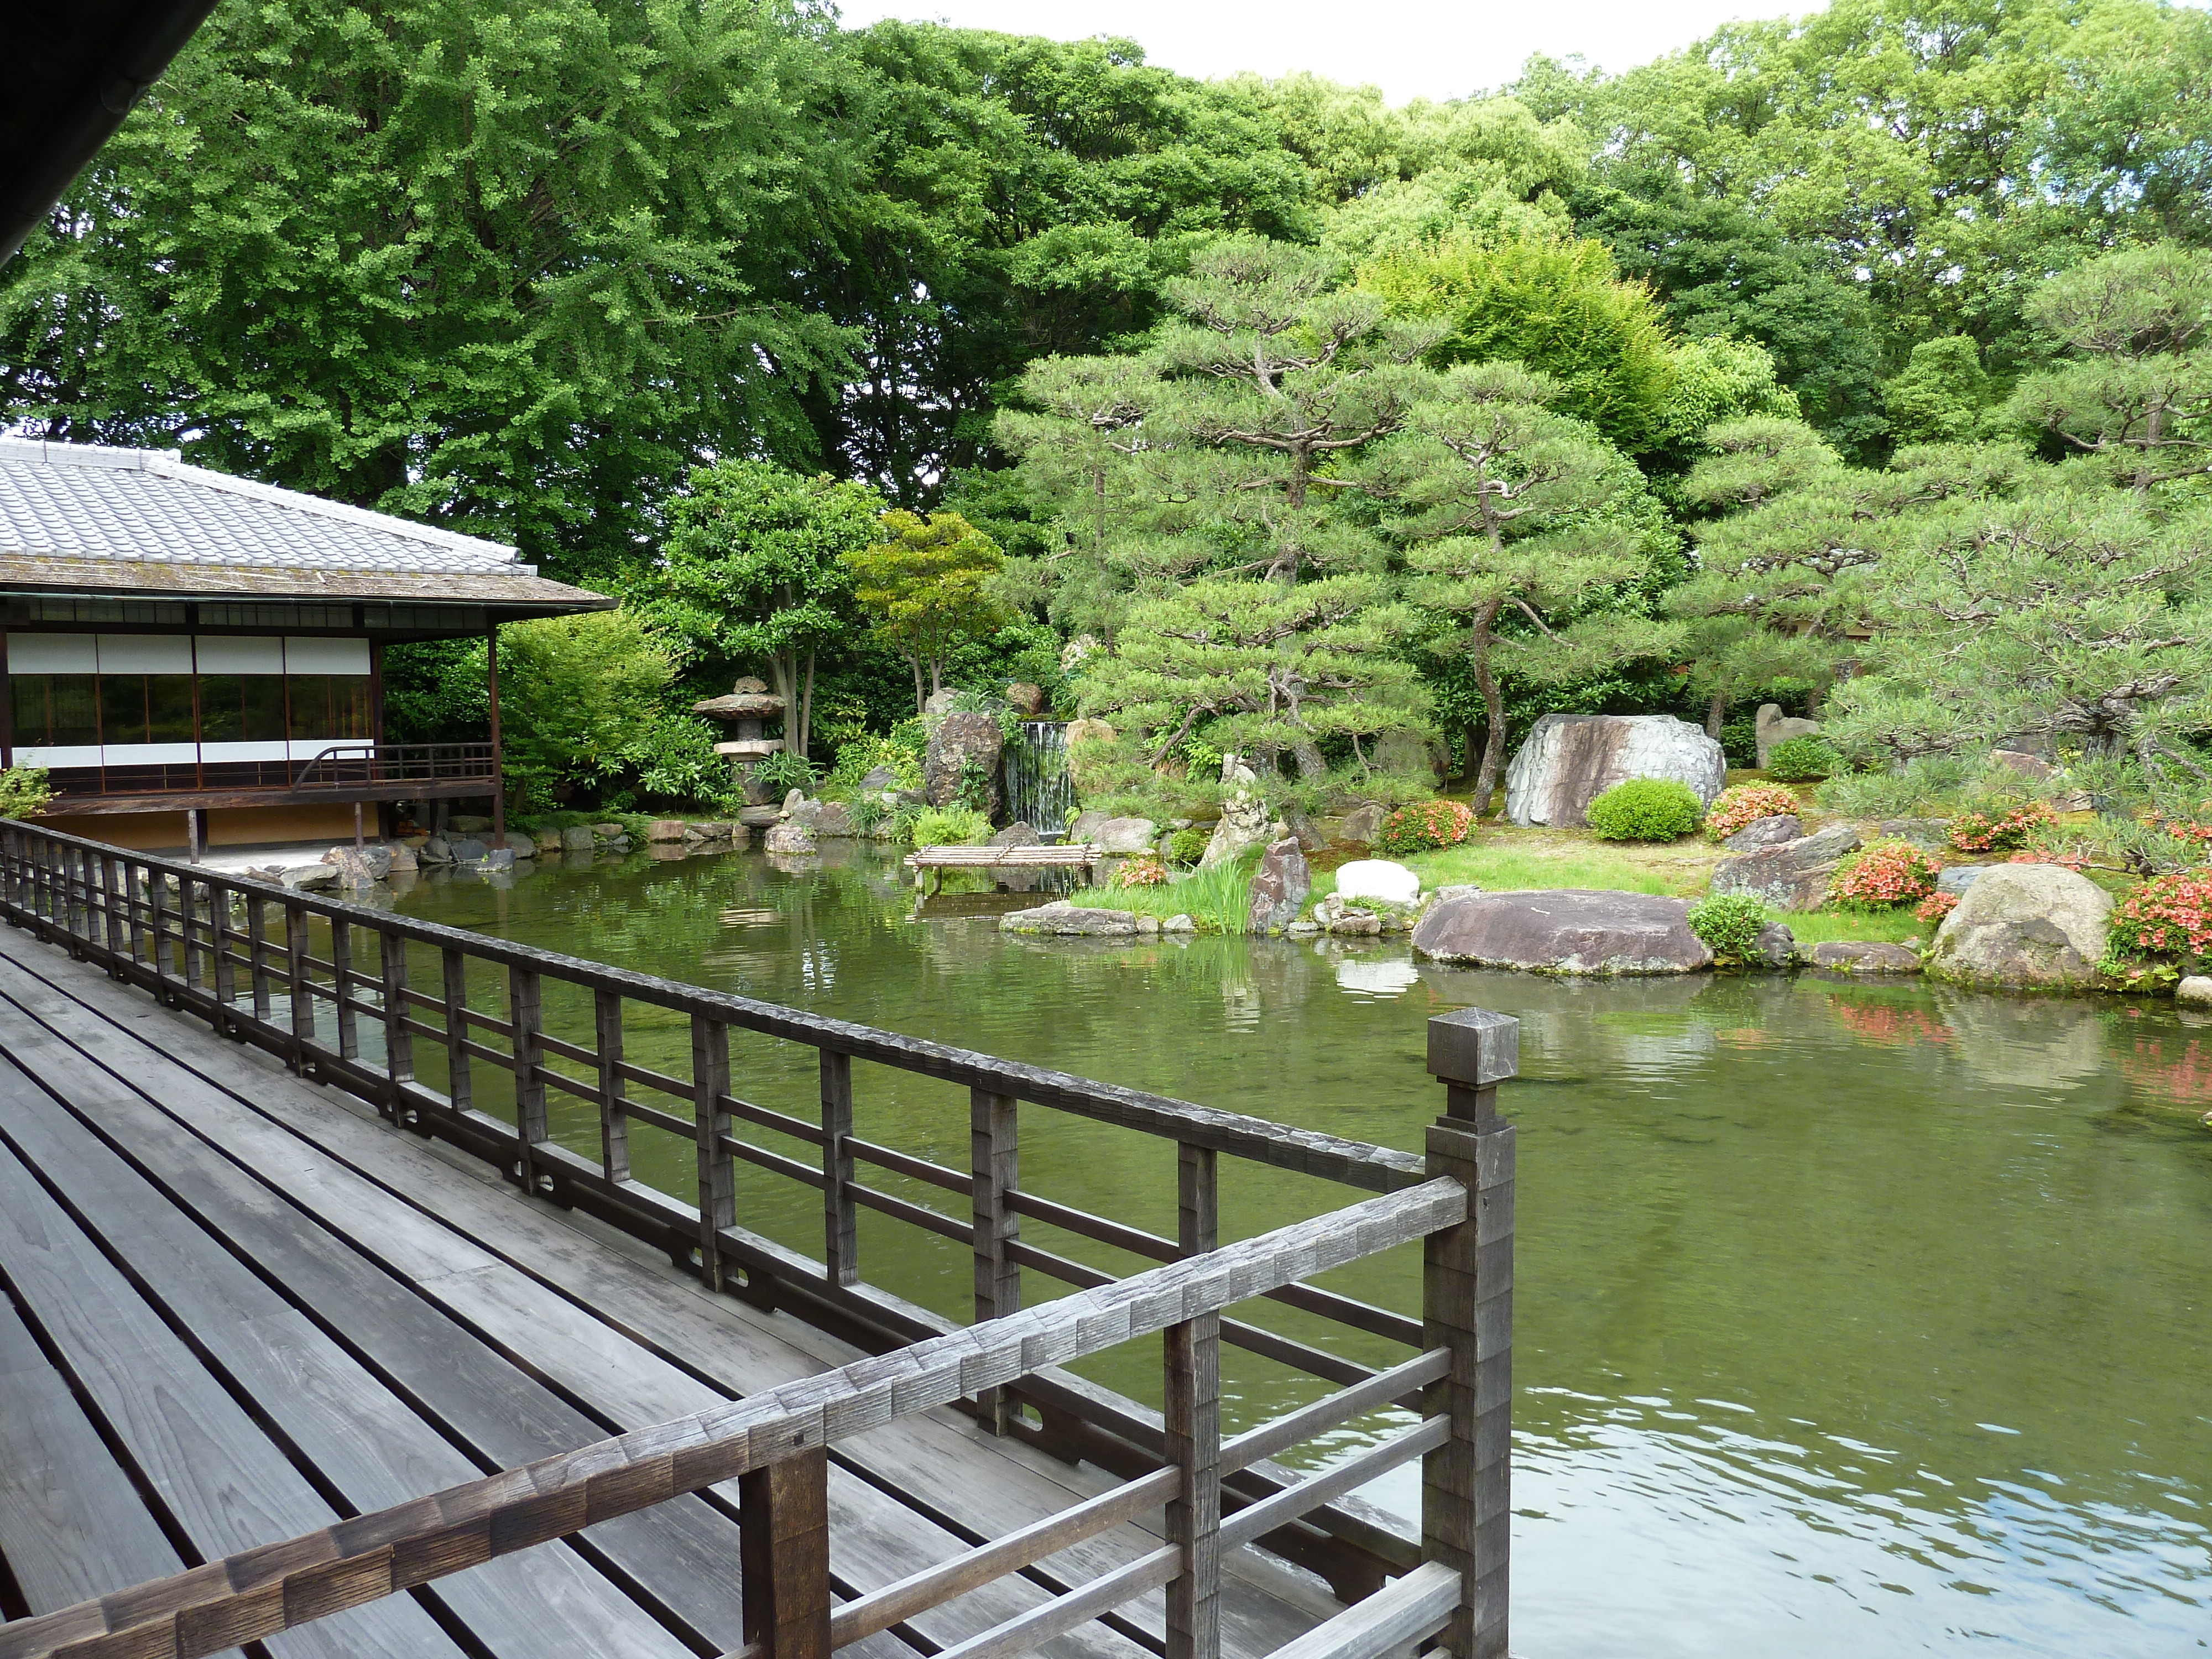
(238, 1307)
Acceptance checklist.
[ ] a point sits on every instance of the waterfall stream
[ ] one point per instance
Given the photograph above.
(1040, 789)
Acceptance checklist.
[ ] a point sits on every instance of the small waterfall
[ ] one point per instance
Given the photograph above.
(1040, 789)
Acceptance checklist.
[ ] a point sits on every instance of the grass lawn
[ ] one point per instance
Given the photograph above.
(1886, 926)
(1518, 860)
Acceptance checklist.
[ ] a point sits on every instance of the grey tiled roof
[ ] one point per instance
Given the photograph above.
(81, 502)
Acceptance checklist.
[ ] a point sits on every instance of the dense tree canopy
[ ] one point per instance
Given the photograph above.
(682, 298)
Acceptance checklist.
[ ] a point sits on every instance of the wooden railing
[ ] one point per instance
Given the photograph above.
(385, 770)
(231, 948)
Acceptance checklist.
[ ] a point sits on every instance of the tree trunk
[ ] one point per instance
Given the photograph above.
(914, 663)
(1715, 715)
(1493, 704)
(936, 675)
(784, 671)
(1469, 740)
(1311, 767)
(806, 707)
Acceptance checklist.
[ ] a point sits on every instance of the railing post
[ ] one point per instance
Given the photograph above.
(994, 1170)
(225, 970)
(341, 980)
(256, 952)
(398, 1041)
(298, 980)
(532, 1126)
(718, 1188)
(614, 1121)
(157, 906)
(1191, 1415)
(460, 1091)
(783, 1556)
(841, 1221)
(1466, 1307)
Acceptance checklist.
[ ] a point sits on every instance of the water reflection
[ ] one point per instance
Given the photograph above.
(1853, 1319)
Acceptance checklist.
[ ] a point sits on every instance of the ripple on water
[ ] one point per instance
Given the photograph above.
(1852, 1320)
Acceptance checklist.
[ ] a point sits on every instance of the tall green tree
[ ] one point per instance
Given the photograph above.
(1507, 506)
(580, 695)
(928, 584)
(2135, 387)
(509, 265)
(754, 572)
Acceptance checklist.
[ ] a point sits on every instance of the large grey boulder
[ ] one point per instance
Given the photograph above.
(1771, 726)
(1570, 760)
(834, 819)
(2037, 926)
(1280, 886)
(360, 867)
(1017, 834)
(1567, 930)
(1793, 875)
(1087, 825)
(1073, 920)
(578, 838)
(2194, 991)
(468, 850)
(790, 838)
(1363, 824)
(956, 740)
(1958, 878)
(1125, 835)
(1244, 825)
(1765, 832)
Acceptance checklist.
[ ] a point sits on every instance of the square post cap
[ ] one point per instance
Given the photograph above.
(1473, 1048)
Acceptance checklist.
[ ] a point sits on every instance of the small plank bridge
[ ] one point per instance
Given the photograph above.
(302, 1356)
(1067, 855)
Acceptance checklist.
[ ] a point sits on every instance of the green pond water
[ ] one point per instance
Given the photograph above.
(1852, 1319)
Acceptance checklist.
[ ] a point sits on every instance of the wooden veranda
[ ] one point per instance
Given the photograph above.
(279, 1378)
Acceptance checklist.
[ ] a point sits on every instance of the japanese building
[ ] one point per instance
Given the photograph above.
(197, 659)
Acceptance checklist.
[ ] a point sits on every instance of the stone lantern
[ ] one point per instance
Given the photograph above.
(749, 703)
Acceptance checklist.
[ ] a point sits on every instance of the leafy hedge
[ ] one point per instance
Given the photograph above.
(1645, 809)
(1802, 760)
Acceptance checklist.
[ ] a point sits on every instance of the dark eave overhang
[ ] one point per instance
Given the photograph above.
(69, 71)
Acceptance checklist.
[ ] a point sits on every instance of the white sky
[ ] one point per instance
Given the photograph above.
(1410, 48)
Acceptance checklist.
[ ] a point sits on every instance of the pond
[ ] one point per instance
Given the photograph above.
(1852, 1319)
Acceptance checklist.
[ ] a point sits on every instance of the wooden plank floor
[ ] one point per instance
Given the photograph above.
(235, 1305)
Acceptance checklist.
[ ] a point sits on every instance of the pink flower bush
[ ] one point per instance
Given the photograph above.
(1424, 825)
(1977, 832)
(2167, 916)
(1935, 906)
(1142, 872)
(1746, 803)
(1887, 874)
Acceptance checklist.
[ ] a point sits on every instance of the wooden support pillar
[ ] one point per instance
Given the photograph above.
(1191, 1416)
(358, 840)
(994, 1168)
(498, 758)
(783, 1549)
(398, 1041)
(193, 832)
(1466, 1307)
(841, 1218)
(459, 1087)
(718, 1181)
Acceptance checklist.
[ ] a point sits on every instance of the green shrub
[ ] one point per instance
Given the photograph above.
(1803, 760)
(951, 826)
(1645, 809)
(24, 791)
(784, 770)
(1728, 923)
(1424, 825)
(1187, 847)
(861, 753)
(1913, 788)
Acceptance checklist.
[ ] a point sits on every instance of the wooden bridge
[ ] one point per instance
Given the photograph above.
(281, 1378)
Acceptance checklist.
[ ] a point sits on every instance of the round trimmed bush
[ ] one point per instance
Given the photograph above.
(1423, 826)
(1645, 809)
(1728, 923)
(1802, 760)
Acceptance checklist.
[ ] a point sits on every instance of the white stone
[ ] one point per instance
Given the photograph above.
(1378, 879)
(2195, 992)
(1569, 760)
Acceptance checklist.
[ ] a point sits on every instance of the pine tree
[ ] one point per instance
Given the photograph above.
(1508, 508)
